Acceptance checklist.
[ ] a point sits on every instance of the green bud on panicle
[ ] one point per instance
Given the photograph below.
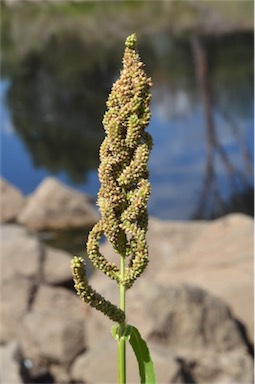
(131, 41)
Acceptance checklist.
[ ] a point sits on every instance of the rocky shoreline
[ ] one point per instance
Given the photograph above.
(193, 304)
(53, 206)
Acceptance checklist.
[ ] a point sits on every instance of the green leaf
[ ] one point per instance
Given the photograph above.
(126, 333)
(121, 332)
(115, 333)
(146, 368)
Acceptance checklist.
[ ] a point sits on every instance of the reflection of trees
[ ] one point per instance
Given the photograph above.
(236, 133)
(175, 77)
(230, 62)
(210, 193)
(58, 92)
(57, 100)
(57, 97)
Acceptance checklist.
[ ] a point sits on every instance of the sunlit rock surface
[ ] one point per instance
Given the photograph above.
(192, 305)
(54, 206)
(12, 202)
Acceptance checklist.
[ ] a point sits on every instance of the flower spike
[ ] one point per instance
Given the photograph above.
(125, 188)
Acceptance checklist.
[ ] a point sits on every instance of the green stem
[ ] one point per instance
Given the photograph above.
(121, 342)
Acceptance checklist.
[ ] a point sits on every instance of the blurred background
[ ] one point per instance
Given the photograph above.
(59, 60)
(194, 303)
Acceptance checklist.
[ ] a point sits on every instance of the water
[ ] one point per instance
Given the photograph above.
(53, 100)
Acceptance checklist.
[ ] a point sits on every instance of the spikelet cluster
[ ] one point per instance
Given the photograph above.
(123, 172)
(90, 296)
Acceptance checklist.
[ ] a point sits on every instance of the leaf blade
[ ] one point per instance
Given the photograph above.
(145, 364)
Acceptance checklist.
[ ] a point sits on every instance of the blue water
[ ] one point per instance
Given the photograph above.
(177, 162)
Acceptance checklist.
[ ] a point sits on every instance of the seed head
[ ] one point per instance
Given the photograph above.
(123, 173)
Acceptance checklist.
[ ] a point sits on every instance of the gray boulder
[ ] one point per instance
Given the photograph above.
(192, 335)
(21, 252)
(12, 202)
(47, 321)
(189, 317)
(20, 261)
(56, 266)
(220, 260)
(208, 367)
(99, 365)
(201, 332)
(10, 358)
(54, 206)
(54, 327)
(15, 298)
(216, 256)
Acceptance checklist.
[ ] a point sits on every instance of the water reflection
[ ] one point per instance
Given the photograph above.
(210, 192)
(57, 106)
(57, 98)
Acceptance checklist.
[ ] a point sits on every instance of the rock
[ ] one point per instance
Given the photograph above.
(202, 366)
(168, 368)
(60, 374)
(99, 365)
(168, 239)
(54, 206)
(191, 334)
(57, 299)
(20, 253)
(219, 260)
(56, 267)
(189, 317)
(47, 321)
(24, 254)
(20, 261)
(12, 202)
(15, 297)
(219, 368)
(11, 358)
(201, 332)
(59, 315)
(36, 371)
(216, 256)
(60, 341)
